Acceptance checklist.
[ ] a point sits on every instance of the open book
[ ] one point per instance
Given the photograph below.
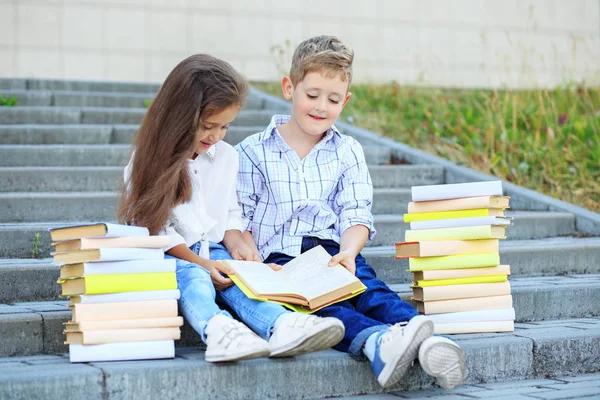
(305, 284)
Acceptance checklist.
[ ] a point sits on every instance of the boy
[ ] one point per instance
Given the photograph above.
(302, 184)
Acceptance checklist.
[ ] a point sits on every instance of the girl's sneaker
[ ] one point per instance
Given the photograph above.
(230, 340)
(443, 359)
(397, 347)
(297, 333)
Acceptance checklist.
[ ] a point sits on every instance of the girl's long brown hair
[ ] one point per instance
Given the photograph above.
(198, 87)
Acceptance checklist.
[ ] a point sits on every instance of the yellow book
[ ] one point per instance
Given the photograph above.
(456, 261)
(478, 212)
(461, 233)
(462, 281)
(118, 283)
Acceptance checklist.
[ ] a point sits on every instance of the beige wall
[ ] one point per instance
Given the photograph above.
(432, 42)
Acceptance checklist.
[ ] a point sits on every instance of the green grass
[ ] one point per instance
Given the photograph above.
(545, 140)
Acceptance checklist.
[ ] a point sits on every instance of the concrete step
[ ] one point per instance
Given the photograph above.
(85, 155)
(87, 134)
(76, 179)
(60, 98)
(534, 350)
(580, 386)
(550, 256)
(77, 85)
(103, 115)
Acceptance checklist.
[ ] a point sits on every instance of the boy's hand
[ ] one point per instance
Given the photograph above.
(219, 281)
(346, 258)
(244, 252)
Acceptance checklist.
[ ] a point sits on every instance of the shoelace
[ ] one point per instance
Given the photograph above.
(392, 331)
(232, 330)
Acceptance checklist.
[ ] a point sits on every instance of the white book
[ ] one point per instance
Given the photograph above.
(94, 255)
(473, 327)
(97, 229)
(118, 267)
(460, 222)
(456, 190)
(503, 314)
(122, 351)
(126, 297)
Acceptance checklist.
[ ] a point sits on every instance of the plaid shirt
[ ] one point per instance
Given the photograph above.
(284, 198)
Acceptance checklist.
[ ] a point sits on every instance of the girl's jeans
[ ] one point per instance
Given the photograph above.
(197, 301)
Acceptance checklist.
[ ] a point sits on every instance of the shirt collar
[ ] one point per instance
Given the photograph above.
(211, 153)
(278, 120)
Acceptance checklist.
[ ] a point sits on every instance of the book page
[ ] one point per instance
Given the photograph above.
(311, 275)
(261, 278)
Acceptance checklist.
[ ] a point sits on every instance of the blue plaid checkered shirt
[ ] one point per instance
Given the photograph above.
(284, 198)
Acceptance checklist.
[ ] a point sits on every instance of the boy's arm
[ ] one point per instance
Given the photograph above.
(353, 206)
(249, 186)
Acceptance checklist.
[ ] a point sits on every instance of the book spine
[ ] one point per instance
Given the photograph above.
(456, 261)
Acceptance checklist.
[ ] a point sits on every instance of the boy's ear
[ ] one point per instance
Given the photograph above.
(348, 95)
(287, 87)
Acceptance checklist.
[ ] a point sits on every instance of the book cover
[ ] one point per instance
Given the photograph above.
(501, 314)
(305, 281)
(82, 256)
(117, 283)
(461, 281)
(441, 215)
(461, 222)
(117, 267)
(461, 273)
(445, 248)
(122, 351)
(99, 229)
(461, 233)
(458, 305)
(456, 190)
(137, 323)
(156, 242)
(123, 335)
(454, 262)
(125, 297)
(460, 291)
(466, 203)
(117, 311)
(473, 327)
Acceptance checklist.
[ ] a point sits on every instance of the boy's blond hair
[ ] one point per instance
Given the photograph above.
(324, 54)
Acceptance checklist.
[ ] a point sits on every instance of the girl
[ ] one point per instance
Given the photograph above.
(181, 182)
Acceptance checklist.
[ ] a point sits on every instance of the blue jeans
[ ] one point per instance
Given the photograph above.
(372, 311)
(260, 316)
(197, 301)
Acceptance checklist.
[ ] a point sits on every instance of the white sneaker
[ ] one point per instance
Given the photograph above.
(230, 340)
(299, 333)
(443, 359)
(397, 347)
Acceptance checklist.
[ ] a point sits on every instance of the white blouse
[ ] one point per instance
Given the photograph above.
(213, 208)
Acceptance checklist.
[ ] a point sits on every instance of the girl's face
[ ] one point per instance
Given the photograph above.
(214, 128)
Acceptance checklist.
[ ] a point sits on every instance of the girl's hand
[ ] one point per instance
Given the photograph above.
(219, 281)
(274, 267)
(244, 252)
(346, 258)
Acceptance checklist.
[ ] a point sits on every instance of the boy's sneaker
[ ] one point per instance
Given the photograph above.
(397, 347)
(443, 359)
(300, 333)
(230, 340)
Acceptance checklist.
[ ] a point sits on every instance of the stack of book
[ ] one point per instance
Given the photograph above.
(123, 293)
(453, 253)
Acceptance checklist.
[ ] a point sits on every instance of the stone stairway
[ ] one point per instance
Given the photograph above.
(62, 150)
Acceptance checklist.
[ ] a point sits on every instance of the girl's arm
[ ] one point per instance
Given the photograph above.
(220, 282)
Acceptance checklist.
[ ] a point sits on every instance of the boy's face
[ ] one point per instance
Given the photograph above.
(317, 101)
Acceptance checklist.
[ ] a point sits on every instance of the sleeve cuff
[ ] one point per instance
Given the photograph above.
(368, 223)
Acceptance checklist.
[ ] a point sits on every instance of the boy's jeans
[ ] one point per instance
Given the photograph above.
(197, 301)
(371, 311)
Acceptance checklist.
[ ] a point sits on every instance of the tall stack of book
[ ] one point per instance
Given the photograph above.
(123, 293)
(453, 253)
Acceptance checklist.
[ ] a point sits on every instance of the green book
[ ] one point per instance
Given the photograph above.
(454, 262)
